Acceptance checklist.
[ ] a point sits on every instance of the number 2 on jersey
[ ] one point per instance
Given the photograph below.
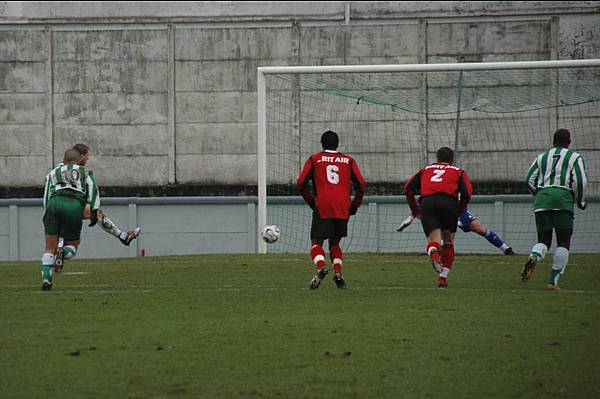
(437, 176)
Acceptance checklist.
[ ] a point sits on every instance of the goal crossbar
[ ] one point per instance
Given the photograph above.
(472, 66)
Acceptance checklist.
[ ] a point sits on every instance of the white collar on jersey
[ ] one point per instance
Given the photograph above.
(332, 151)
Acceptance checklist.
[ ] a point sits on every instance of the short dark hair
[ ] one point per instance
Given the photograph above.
(71, 156)
(330, 140)
(82, 148)
(562, 137)
(445, 154)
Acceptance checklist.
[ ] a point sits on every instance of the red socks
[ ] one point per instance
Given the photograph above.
(448, 256)
(336, 258)
(433, 250)
(318, 255)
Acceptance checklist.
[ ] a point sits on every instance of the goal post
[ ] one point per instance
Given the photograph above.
(392, 118)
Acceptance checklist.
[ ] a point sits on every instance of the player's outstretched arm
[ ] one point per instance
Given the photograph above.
(406, 223)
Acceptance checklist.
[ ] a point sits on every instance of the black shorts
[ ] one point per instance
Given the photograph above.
(439, 212)
(328, 228)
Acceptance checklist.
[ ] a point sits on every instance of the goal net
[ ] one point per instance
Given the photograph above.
(392, 119)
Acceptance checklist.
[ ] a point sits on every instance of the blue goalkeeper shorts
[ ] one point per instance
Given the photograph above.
(465, 219)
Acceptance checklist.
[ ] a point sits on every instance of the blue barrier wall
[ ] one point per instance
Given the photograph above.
(196, 225)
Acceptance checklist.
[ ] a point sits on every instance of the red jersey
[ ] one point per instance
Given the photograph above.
(439, 178)
(333, 175)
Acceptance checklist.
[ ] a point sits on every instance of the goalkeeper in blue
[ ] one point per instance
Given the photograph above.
(557, 178)
(468, 222)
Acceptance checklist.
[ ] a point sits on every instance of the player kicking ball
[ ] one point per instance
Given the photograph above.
(93, 213)
(332, 174)
(445, 190)
(65, 196)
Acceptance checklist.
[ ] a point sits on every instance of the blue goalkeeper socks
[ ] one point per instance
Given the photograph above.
(493, 238)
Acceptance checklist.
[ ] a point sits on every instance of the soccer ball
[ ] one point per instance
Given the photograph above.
(270, 234)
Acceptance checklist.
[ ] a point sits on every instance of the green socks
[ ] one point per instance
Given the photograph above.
(47, 272)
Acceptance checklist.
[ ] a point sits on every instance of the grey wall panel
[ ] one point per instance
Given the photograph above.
(21, 140)
(4, 247)
(153, 167)
(481, 38)
(110, 109)
(273, 10)
(578, 36)
(111, 77)
(22, 108)
(23, 45)
(217, 168)
(233, 43)
(4, 221)
(111, 45)
(23, 170)
(214, 76)
(382, 60)
(216, 107)
(194, 219)
(193, 243)
(323, 42)
(216, 138)
(22, 77)
(114, 141)
(30, 233)
(384, 40)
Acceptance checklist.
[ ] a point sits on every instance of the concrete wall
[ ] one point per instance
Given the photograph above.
(165, 93)
(196, 225)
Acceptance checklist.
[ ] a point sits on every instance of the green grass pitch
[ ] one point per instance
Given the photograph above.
(247, 326)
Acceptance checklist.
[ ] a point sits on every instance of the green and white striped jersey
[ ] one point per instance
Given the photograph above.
(557, 172)
(74, 178)
(93, 192)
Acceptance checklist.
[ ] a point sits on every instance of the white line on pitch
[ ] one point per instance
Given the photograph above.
(73, 273)
(83, 289)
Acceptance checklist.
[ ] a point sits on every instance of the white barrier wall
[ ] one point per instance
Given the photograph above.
(196, 225)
